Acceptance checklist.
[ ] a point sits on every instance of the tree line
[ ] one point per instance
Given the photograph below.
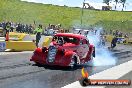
(116, 1)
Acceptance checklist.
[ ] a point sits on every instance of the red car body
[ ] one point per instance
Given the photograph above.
(65, 49)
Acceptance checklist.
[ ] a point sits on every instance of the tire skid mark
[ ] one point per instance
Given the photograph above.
(15, 66)
(31, 70)
(18, 75)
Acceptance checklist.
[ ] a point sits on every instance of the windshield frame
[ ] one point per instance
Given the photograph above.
(55, 38)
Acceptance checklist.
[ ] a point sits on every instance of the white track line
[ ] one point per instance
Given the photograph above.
(112, 73)
(10, 53)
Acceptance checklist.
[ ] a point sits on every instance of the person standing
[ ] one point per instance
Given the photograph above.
(103, 40)
(12, 27)
(18, 28)
(26, 28)
(38, 32)
(113, 42)
(4, 25)
(30, 29)
(7, 29)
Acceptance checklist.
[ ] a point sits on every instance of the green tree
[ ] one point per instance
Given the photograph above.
(107, 2)
(123, 3)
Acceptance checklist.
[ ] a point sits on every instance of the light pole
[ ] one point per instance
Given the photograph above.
(82, 14)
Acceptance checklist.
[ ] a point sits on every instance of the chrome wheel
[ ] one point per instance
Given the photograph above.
(73, 63)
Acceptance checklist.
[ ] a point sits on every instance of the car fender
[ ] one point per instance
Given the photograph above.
(91, 50)
(71, 54)
(39, 55)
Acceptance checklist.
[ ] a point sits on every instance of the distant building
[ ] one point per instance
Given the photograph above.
(87, 6)
(106, 8)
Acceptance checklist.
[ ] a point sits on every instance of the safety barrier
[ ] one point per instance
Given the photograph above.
(47, 41)
(16, 36)
(128, 41)
(20, 45)
(121, 40)
(23, 45)
(109, 38)
(2, 45)
(2, 32)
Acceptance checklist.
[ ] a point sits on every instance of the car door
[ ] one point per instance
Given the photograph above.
(83, 49)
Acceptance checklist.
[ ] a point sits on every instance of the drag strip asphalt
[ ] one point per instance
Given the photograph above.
(16, 71)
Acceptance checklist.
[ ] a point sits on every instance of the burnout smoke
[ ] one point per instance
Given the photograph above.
(103, 55)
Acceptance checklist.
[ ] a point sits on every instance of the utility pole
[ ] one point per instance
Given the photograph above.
(82, 14)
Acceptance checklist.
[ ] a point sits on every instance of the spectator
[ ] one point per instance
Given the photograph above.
(8, 27)
(30, 29)
(110, 31)
(0, 24)
(117, 33)
(4, 25)
(49, 27)
(95, 32)
(113, 42)
(12, 27)
(103, 40)
(38, 32)
(18, 28)
(120, 34)
(126, 35)
(26, 28)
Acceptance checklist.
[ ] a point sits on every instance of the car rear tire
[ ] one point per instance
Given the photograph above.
(93, 54)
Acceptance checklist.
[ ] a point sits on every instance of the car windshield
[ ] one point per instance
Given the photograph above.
(66, 39)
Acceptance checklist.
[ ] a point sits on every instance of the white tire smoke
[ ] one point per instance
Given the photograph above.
(103, 55)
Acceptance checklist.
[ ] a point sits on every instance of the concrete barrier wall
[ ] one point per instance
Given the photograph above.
(47, 41)
(109, 38)
(26, 45)
(20, 45)
(18, 36)
(126, 40)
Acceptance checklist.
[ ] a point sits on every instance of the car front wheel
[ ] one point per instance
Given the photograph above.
(73, 62)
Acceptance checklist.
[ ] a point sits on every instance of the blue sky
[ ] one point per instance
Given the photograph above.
(78, 3)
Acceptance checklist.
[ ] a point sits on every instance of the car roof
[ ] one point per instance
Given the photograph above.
(71, 35)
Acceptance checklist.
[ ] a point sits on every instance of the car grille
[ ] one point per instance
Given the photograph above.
(51, 53)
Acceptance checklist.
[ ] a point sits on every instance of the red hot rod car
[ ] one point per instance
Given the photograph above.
(66, 49)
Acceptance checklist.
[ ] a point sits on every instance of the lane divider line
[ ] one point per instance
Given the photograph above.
(10, 53)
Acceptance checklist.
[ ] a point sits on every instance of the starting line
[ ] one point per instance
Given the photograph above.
(112, 73)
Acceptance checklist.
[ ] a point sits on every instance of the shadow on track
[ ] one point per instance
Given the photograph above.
(55, 67)
(118, 54)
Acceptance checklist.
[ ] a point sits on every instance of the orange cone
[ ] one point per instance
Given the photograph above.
(7, 36)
